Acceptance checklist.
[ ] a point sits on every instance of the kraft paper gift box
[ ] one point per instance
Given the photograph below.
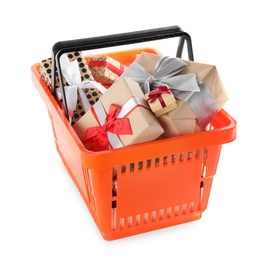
(81, 90)
(198, 89)
(128, 98)
(105, 69)
(161, 100)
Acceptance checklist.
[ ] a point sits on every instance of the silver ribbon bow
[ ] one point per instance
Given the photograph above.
(185, 87)
(165, 73)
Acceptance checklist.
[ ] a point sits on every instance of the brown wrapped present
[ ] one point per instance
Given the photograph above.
(197, 88)
(81, 90)
(105, 69)
(121, 117)
(161, 100)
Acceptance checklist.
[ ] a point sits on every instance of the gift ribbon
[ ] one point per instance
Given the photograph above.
(111, 67)
(183, 86)
(71, 73)
(157, 94)
(165, 73)
(111, 124)
(97, 136)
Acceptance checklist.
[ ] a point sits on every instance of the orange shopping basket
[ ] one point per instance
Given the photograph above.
(159, 184)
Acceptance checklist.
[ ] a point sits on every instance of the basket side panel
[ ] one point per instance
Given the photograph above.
(70, 162)
(209, 169)
(150, 194)
(167, 181)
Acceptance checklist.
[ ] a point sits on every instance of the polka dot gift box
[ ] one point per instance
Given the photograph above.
(81, 90)
(46, 67)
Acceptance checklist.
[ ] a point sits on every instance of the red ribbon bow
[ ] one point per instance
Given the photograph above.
(156, 93)
(96, 139)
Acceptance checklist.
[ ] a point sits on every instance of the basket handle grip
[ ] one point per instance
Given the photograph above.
(115, 40)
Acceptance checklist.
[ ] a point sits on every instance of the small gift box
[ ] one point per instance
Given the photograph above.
(81, 90)
(161, 100)
(197, 88)
(121, 117)
(105, 69)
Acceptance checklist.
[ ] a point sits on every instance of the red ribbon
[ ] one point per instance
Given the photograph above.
(96, 139)
(157, 93)
(100, 63)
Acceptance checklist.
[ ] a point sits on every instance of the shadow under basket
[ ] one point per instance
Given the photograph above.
(142, 187)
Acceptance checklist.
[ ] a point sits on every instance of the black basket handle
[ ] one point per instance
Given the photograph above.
(115, 40)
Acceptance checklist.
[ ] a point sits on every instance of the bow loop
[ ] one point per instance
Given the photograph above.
(168, 67)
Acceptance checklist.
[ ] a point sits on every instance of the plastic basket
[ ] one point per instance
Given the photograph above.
(160, 183)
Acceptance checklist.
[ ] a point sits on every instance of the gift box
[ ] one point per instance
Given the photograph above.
(121, 117)
(46, 68)
(81, 90)
(105, 69)
(197, 87)
(161, 100)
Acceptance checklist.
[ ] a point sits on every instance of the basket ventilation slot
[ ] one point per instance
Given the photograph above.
(153, 216)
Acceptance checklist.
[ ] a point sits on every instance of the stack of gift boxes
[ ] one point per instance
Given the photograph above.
(112, 105)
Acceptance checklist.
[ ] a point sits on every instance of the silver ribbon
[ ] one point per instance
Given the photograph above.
(185, 87)
(165, 73)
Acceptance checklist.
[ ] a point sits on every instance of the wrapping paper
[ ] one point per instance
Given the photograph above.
(183, 120)
(128, 96)
(45, 71)
(105, 69)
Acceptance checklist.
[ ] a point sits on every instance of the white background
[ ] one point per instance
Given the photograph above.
(42, 215)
